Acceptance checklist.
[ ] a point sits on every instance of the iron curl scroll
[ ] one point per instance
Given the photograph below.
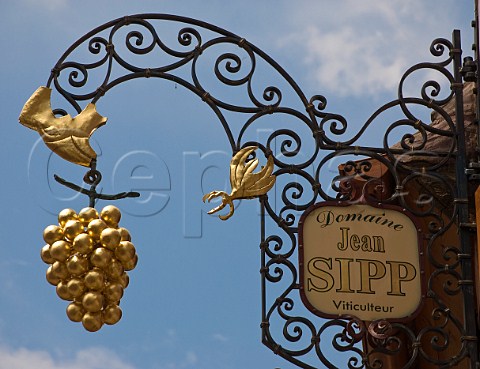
(305, 177)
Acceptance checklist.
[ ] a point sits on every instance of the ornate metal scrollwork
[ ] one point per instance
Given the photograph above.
(420, 176)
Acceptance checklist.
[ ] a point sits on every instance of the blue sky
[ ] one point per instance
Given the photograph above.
(194, 298)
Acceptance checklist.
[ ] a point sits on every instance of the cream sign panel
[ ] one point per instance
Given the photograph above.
(360, 260)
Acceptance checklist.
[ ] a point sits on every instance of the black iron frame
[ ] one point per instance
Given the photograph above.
(300, 340)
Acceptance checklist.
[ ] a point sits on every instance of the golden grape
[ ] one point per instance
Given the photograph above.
(52, 233)
(112, 314)
(45, 255)
(95, 228)
(95, 279)
(75, 311)
(83, 243)
(60, 250)
(93, 301)
(110, 238)
(77, 265)
(72, 229)
(86, 215)
(65, 215)
(111, 215)
(92, 322)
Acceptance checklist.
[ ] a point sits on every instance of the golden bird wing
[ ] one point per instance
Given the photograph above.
(256, 184)
(245, 183)
(37, 110)
(68, 137)
(238, 166)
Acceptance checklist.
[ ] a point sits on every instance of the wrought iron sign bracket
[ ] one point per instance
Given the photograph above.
(407, 173)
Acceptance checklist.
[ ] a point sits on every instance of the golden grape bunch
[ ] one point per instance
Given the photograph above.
(89, 255)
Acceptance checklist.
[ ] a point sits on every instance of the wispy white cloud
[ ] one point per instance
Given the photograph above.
(90, 358)
(170, 338)
(362, 47)
(220, 337)
(189, 360)
(93, 358)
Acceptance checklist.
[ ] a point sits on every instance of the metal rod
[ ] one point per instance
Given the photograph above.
(466, 241)
(476, 51)
(262, 267)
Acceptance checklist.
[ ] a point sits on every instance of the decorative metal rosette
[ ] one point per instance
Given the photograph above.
(89, 256)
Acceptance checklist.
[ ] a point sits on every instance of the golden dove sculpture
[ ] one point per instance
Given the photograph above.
(245, 184)
(66, 136)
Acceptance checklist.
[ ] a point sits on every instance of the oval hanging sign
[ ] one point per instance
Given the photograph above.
(360, 260)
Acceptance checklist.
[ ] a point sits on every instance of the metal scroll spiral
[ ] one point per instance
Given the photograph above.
(304, 172)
